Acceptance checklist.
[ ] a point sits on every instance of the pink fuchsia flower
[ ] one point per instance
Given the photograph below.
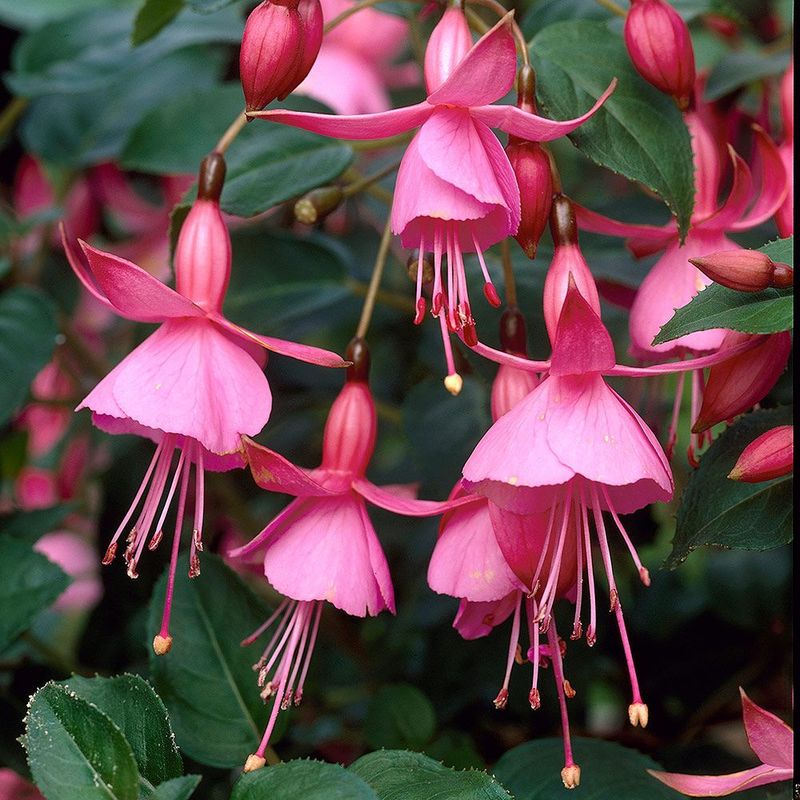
(46, 422)
(322, 547)
(769, 456)
(770, 738)
(456, 192)
(77, 558)
(193, 387)
(784, 217)
(15, 787)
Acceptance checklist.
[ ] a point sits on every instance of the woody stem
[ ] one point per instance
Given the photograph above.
(374, 281)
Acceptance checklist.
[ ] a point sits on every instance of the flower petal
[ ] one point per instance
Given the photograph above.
(407, 506)
(278, 525)
(721, 785)
(485, 74)
(474, 620)
(134, 293)
(358, 126)
(738, 198)
(771, 738)
(531, 126)
(80, 266)
(599, 223)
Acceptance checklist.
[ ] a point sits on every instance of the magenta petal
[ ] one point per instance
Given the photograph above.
(530, 126)
(273, 472)
(721, 785)
(276, 526)
(302, 352)
(485, 74)
(599, 223)
(188, 378)
(80, 266)
(329, 551)
(738, 198)
(476, 619)
(134, 293)
(407, 506)
(771, 738)
(359, 126)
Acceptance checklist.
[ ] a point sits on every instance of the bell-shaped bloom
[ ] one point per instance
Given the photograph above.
(769, 456)
(280, 43)
(770, 738)
(322, 547)
(77, 558)
(660, 47)
(456, 192)
(193, 386)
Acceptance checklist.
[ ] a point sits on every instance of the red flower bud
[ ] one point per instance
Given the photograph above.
(769, 456)
(744, 270)
(279, 46)
(660, 48)
(531, 166)
(736, 385)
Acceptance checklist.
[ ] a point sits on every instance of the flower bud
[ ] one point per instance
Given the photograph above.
(769, 456)
(660, 48)
(279, 46)
(531, 167)
(317, 204)
(744, 270)
(736, 385)
(450, 41)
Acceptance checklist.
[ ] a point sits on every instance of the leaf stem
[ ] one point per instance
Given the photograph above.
(508, 272)
(375, 280)
(362, 183)
(11, 113)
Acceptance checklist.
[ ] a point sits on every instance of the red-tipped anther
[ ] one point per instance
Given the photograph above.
(534, 699)
(614, 598)
(568, 690)
(644, 576)
(470, 334)
(577, 631)
(491, 295)
(436, 304)
(501, 701)
(110, 553)
(155, 541)
(194, 566)
(420, 315)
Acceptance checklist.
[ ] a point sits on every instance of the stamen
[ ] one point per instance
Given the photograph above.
(591, 631)
(644, 575)
(418, 296)
(298, 695)
(672, 436)
(261, 628)
(570, 775)
(604, 549)
(582, 526)
(502, 696)
(157, 536)
(489, 289)
(548, 595)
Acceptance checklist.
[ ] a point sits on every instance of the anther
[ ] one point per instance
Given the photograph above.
(568, 690)
(420, 315)
(534, 699)
(110, 553)
(155, 540)
(491, 295)
(501, 701)
(254, 762)
(162, 644)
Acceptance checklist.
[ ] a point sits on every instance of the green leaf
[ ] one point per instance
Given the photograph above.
(173, 137)
(399, 716)
(742, 67)
(30, 525)
(401, 775)
(27, 340)
(208, 6)
(532, 771)
(638, 133)
(152, 16)
(177, 788)
(35, 13)
(75, 751)
(207, 681)
(769, 311)
(717, 511)
(133, 706)
(29, 583)
(302, 780)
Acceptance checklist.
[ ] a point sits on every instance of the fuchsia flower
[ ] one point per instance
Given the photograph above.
(784, 217)
(456, 192)
(46, 423)
(770, 738)
(769, 456)
(77, 558)
(322, 546)
(193, 387)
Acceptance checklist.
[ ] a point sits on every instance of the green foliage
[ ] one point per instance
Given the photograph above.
(152, 16)
(742, 67)
(399, 715)
(302, 780)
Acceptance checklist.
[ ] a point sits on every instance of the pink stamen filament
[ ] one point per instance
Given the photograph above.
(261, 628)
(558, 675)
(643, 573)
(672, 436)
(298, 695)
(502, 695)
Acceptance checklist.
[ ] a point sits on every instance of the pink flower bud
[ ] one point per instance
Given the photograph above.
(660, 48)
(279, 46)
(532, 169)
(512, 384)
(769, 456)
(736, 385)
(744, 270)
(449, 43)
(203, 252)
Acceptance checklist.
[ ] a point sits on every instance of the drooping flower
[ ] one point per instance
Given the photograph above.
(784, 217)
(193, 387)
(322, 547)
(456, 192)
(770, 738)
(769, 456)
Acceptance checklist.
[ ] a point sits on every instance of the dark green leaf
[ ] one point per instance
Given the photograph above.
(75, 751)
(27, 340)
(207, 680)
(34, 13)
(742, 67)
(29, 583)
(152, 16)
(30, 525)
(132, 705)
(173, 137)
(177, 788)
(532, 771)
(399, 716)
(780, 250)
(718, 511)
(638, 133)
(401, 775)
(208, 6)
(302, 780)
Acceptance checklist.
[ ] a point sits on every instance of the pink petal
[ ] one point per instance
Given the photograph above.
(530, 126)
(302, 352)
(485, 74)
(359, 126)
(738, 197)
(276, 526)
(273, 472)
(721, 785)
(134, 293)
(599, 223)
(14, 787)
(78, 559)
(466, 561)
(771, 738)
(329, 551)
(80, 266)
(474, 620)
(188, 378)
(407, 506)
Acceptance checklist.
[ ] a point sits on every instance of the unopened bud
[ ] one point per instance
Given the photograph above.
(357, 353)
(562, 221)
(571, 776)
(638, 714)
(526, 89)
(769, 456)
(449, 42)
(660, 48)
(412, 265)
(279, 46)
(317, 204)
(162, 644)
(531, 166)
(254, 762)
(744, 270)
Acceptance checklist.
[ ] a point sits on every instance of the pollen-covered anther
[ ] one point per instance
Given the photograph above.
(155, 540)
(571, 776)
(132, 573)
(638, 714)
(194, 566)
(534, 699)
(591, 636)
(287, 699)
(254, 762)
(501, 701)
(577, 631)
(568, 690)
(614, 598)
(197, 539)
(111, 552)
(162, 644)
(454, 383)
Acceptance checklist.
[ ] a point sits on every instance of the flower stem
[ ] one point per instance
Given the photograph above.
(375, 280)
(508, 273)
(11, 113)
(613, 7)
(362, 183)
(234, 129)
